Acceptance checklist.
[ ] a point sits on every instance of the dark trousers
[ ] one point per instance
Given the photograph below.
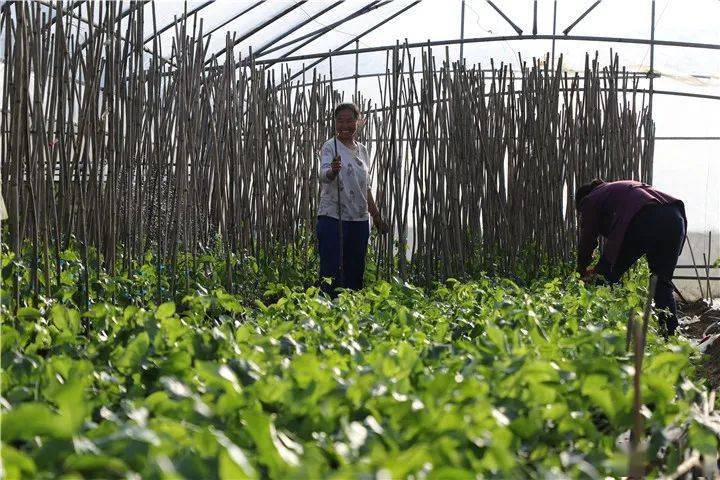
(658, 232)
(355, 243)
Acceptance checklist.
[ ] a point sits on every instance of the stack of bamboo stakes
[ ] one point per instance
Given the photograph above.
(124, 153)
(489, 160)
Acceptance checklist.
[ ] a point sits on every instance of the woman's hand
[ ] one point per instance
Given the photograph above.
(380, 225)
(591, 276)
(335, 167)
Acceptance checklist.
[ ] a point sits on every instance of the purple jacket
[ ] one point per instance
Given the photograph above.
(608, 210)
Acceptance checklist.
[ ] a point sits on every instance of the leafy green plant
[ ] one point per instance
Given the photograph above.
(481, 377)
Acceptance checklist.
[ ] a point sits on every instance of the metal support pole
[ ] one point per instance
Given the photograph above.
(462, 28)
(357, 65)
(572, 25)
(554, 25)
(507, 19)
(651, 73)
(651, 87)
(535, 17)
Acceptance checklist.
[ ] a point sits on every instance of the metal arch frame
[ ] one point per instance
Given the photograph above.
(629, 90)
(499, 38)
(315, 34)
(256, 29)
(462, 41)
(324, 80)
(440, 43)
(357, 37)
(292, 29)
(183, 17)
(233, 18)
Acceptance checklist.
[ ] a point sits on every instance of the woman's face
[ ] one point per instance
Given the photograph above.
(345, 124)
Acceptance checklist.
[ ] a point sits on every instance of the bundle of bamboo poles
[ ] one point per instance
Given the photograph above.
(123, 151)
(482, 164)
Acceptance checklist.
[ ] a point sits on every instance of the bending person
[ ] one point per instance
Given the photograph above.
(635, 220)
(343, 159)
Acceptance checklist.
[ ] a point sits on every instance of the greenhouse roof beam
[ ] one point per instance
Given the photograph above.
(357, 37)
(136, 5)
(320, 34)
(507, 19)
(321, 31)
(628, 90)
(184, 16)
(640, 75)
(293, 29)
(437, 43)
(257, 29)
(235, 17)
(572, 25)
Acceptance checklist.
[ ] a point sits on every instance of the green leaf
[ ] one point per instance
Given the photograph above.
(16, 464)
(229, 469)
(165, 310)
(233, 463)
(272, 453)
(131, 356)
(496, 336)
(96, 465)
(67, 321)
(70, 398)
(30, 419)
(29, 313)
(596, 388)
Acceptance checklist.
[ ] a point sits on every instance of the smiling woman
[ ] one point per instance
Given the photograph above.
(346, 203)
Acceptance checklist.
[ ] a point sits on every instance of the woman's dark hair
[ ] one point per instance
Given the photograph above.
(348, 106)
(584, 190)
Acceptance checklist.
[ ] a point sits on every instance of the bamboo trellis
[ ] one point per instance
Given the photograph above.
(125, 152)
(488, 162)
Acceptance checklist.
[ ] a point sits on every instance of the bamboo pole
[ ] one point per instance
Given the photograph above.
(111, 150)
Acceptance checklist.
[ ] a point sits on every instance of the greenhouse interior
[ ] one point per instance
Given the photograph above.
(387, 239)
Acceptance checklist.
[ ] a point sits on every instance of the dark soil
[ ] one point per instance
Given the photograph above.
(708, 316)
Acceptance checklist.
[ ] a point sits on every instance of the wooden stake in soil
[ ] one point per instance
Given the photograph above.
(637, 462)
(692, 257)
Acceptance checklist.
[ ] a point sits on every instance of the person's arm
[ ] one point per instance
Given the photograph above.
(588, 239)
(372, 207)
(375, 214)
(373, 210)
(329, 166)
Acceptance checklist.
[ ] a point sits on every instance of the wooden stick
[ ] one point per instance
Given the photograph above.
(637, 466)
